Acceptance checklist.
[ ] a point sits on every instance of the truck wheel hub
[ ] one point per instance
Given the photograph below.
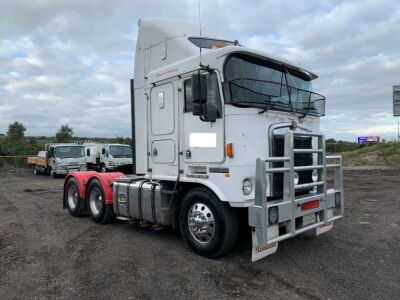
(72, 196)
(201, 222)
(96, 201)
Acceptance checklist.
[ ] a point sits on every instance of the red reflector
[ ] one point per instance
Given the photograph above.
(310, 205)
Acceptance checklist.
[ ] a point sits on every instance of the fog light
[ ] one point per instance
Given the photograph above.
(247, 187)
(296, 178)
(337, 199)
(273, 215)
(314, 176)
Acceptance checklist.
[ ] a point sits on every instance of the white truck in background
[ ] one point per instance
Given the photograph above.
(220, 131)
(108, 157)
(58, 159)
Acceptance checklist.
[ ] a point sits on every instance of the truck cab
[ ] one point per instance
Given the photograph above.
(63, 158)
(108, 157)
(222, 130)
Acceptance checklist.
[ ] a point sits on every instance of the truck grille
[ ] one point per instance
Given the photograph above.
(300, 159)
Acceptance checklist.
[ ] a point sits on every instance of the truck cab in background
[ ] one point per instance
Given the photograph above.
(59, 159)
(220, 130)
(108, 157)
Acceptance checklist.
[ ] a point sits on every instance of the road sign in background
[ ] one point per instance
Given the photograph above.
(368, 139)
(396, 100)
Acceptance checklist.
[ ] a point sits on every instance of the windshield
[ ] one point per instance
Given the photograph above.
(262, 84)
(121, 151)
(69, 151)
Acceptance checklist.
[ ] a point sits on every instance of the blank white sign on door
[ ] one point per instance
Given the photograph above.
(203, 140)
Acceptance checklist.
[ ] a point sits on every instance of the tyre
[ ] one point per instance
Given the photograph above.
(103, 169)
(52, 173)
(72, 199)
(99, 211)
(35, 170)
(209, 226)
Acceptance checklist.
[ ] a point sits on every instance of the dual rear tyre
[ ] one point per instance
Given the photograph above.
(72, 198)
(99, 211)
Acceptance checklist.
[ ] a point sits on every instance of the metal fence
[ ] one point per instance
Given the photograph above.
(14, 161)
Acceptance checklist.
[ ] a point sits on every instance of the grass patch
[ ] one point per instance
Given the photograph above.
(387, 154)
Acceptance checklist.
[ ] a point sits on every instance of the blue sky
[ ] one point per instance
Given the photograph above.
(71, 61)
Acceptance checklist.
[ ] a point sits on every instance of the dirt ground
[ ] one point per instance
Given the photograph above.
(46, 254)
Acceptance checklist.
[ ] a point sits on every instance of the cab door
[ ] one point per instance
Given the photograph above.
(163, 130)
(203, 142)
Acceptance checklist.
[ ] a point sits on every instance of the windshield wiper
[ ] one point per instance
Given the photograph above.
(287, 88)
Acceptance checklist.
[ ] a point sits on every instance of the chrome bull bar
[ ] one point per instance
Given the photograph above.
(289, 207)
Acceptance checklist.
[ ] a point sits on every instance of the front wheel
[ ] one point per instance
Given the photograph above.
(209, 226)
(99, 210)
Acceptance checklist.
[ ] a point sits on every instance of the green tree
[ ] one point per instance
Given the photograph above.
(64, 134)
(16, 131)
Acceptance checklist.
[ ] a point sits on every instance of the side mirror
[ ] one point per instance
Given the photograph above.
(103, 151)
(210, 113)
(199, 93)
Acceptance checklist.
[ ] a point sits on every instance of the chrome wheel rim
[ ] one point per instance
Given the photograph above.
(72, 196)
(96, 201)
(201, 223)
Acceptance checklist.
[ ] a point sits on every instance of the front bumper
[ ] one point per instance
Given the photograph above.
(70, 169)
(295, 214)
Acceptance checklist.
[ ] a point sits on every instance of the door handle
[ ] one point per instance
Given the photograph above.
(188, 154)
(155, 152)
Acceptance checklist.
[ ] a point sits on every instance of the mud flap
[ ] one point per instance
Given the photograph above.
(324, 228)
(258, 252)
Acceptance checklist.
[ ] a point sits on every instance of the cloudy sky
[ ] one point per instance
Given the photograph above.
(71, 61)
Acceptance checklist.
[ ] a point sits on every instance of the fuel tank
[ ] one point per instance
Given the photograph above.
(142, 199)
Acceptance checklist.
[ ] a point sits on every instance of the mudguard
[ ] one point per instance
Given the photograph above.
(84, 178)
(106, 180)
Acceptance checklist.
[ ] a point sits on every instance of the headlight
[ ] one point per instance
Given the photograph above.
(314, 176)
(247, 187)
(296, 178)
(273, 215)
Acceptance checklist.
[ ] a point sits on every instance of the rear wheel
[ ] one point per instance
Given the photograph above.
(209, 226)
(35, 170)
(71, 195)
(99, 210)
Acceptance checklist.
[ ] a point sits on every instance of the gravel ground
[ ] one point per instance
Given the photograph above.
(46, 254)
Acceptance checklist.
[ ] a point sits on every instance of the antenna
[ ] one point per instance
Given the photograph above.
(200, 18)
(200, 30)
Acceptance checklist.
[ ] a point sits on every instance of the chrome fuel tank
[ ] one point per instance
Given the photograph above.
(141, 199)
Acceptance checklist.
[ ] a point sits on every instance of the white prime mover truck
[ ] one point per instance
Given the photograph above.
(108, 157)
(220, 131)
